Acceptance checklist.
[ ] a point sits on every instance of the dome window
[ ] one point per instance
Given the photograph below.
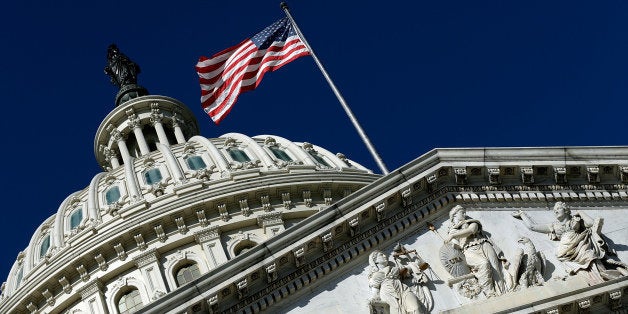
(130, 302)
(44, 246)
(187, 273)
(195, 163)
(319, 158)
(112, 195)
(152, 176)
(76, 218)
(238, 155)
(280, 153)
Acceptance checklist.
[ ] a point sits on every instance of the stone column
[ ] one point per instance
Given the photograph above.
(111, 157)
(155, 119)
(93, 298)
(178, 133)
(209, 240)
(148, 265)
(139, 135)
(124, 151)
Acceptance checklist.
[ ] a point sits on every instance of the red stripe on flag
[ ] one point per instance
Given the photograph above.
(231, 85)
(241, 68)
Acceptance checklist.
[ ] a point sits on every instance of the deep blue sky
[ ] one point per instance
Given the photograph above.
(417, 74)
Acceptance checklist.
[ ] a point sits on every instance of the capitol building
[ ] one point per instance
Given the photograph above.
(181, 223)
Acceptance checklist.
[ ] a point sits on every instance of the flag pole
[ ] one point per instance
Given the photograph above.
(341, 99)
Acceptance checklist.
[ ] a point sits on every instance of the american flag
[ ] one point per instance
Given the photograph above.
(241, 68)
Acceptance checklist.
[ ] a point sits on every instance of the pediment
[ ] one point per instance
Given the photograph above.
(351, 292)
(322, 263)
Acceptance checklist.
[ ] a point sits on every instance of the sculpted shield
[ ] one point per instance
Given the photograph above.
(453, 260)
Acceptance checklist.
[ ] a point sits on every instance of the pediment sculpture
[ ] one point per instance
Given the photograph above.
(476, 264)
(581, 244)
(528, 266)
(398, 285)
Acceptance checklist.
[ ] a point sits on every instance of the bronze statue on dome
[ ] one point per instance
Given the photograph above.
(120, 68)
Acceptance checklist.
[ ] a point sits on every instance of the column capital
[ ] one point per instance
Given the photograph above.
(90, 289)
(146, 258)
(208, 234)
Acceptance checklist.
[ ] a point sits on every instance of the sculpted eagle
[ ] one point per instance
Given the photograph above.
(529, 265)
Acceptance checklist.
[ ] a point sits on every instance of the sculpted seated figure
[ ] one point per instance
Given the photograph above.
(385, 280)
(580, 243)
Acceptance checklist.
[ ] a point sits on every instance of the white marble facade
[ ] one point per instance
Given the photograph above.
(349, 293)
(277, 226)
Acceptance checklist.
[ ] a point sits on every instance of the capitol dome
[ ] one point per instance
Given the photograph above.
(169, 206)
(180, 223)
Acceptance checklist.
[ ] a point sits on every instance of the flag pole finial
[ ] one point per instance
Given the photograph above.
(283, 5)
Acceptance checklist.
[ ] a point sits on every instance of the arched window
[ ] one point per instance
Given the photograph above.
(130, 302)
(319, 158)
(152, 176)
(76, 218)
(187, 273)
(44, 246)
(195, 162)
(112, 195)
(243, 247)
(280, 153)
(238, 155)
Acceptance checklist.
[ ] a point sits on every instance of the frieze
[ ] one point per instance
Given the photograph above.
(146, 258)
(89, 289)
(269, 219)
(207, 234)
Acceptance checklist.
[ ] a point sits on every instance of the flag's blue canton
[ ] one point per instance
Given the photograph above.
(278, 31)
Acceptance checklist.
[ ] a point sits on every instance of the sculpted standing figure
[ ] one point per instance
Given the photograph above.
(120, 68)
(385, 281)
(479, 253)
(580, 242)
